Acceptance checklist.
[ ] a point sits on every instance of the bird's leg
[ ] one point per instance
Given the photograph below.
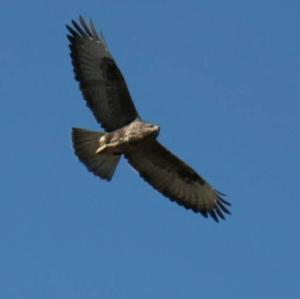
(103, 141)
(101, 149)
(106, 145)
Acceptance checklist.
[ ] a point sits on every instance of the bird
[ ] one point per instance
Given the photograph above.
(125, 133)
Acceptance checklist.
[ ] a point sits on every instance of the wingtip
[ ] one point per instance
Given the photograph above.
(81, 19)
(213, 214)
(220, 208)
(82, 28)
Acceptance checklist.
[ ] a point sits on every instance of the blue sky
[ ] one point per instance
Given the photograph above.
(222, 80)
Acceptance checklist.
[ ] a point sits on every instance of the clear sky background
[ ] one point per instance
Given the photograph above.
(222, 79)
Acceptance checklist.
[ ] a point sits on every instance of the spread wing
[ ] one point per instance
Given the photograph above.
(176, 180)
(100, 79)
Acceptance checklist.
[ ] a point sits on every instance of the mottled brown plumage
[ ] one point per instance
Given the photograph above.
(107, 95)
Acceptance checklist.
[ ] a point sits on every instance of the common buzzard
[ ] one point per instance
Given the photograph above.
(107, 95)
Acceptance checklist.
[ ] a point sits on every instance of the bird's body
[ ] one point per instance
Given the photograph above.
(107, 95)
(124, 139)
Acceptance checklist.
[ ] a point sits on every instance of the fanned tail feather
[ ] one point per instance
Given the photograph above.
(85, 144)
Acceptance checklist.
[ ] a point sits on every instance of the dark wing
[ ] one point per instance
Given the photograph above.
(100, 79)
(176, 180)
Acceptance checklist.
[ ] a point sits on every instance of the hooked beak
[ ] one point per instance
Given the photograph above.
(156, 128)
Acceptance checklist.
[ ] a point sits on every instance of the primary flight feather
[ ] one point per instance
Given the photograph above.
(106, 94)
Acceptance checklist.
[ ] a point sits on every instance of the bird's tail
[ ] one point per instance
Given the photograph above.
(85, 144)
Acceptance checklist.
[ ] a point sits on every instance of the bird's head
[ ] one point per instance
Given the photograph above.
(152, 129)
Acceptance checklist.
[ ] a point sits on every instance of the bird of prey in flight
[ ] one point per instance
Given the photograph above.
(126, 134)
